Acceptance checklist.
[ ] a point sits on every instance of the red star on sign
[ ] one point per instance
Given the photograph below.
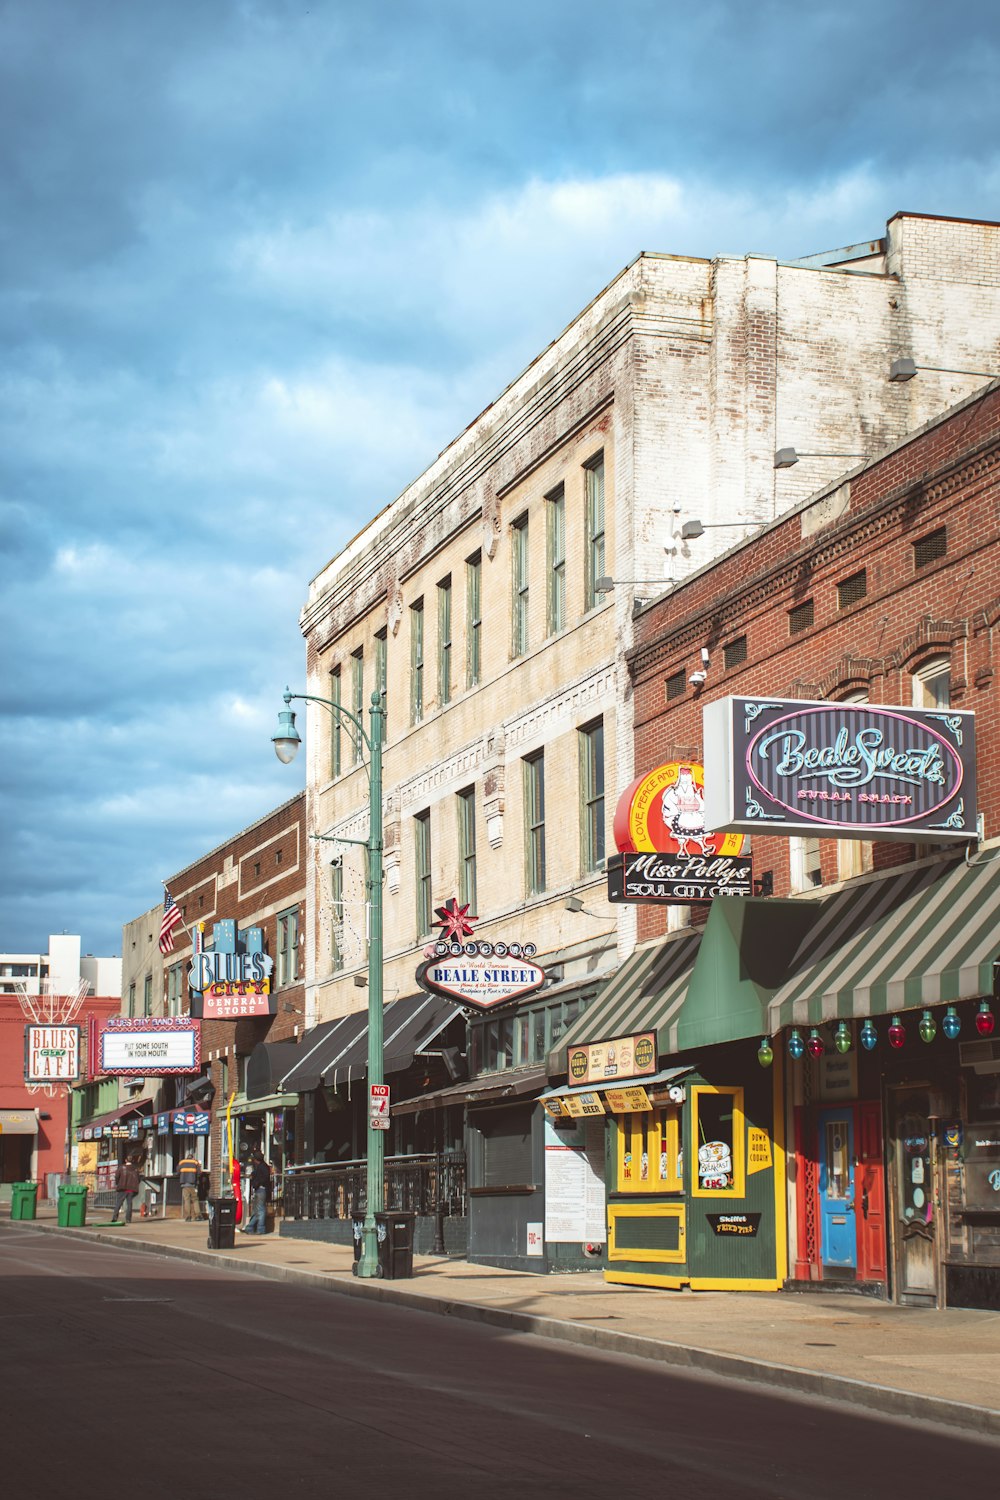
(455, 923)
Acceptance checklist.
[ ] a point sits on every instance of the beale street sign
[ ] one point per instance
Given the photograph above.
(678, 877)
(849, 770)
(481, 975)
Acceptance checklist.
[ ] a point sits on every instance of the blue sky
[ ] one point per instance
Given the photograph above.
(261, 261)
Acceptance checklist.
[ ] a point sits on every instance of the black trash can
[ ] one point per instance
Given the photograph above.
(221, 1223)
(395, 1244)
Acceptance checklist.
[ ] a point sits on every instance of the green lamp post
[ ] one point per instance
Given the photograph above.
(286, 741)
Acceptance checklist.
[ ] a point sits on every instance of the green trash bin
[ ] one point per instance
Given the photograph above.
(72, 1207)
(23, 1197)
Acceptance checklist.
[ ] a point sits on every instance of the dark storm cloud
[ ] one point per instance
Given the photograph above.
(260, 261)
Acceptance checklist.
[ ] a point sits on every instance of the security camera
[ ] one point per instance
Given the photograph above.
(336, 861)
(705, 658)
(697, 679)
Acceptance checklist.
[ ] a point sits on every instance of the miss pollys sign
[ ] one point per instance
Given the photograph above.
(851, 770)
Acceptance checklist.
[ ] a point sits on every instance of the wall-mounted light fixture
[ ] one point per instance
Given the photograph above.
(903, 369)
(606, 585)
(573, 903)
(692, 529)
(785, 458)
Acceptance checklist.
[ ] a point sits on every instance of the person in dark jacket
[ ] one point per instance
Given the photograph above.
(260, 1190)
(126, 1187)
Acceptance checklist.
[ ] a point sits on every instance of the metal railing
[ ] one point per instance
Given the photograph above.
(423, 1184)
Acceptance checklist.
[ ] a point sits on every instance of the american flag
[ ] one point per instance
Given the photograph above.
(171, 916)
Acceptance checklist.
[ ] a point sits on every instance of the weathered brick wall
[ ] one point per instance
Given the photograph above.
(949, 476)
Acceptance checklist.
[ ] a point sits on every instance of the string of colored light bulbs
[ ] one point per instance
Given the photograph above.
(815, 1045)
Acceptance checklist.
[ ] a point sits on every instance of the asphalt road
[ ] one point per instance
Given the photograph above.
(125, 1373)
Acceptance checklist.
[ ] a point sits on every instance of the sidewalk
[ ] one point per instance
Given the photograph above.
(911, 1362)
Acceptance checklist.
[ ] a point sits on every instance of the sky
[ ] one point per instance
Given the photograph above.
(261, 260)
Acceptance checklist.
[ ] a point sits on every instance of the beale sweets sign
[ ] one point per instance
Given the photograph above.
(848, 770)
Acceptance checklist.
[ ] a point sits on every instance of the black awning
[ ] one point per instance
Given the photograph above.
(267, 1065)
(492, 1088)
(337, 1053)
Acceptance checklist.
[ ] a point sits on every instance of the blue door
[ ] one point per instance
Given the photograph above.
(838, 1237)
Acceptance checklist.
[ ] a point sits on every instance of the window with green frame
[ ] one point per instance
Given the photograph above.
(519, 586)
(595, 563)
(591, 743)
(718, 1165)
(422, 871)
(555, 547)
(444, 640)
(336, 727)
(131, 999)
(473, 618)
(524, 1038)
(337, 917)
(288, 946)
(357, 697)
(416, 661)
(534, 822)
(147, 995)
(175, 989)
(467, 848)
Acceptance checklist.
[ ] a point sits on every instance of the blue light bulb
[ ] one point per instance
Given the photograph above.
(796, 1046)
(952, 1023)
(869, 1036)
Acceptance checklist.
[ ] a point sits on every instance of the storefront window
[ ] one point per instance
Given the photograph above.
(649, 1159)
(717, 1131)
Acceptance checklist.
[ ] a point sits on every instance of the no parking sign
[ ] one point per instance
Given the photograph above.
(378, 1106)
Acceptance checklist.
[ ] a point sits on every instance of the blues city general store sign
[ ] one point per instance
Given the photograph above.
(851, 770)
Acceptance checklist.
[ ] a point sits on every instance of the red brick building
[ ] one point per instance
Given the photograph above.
(861, 972)
(256, 880)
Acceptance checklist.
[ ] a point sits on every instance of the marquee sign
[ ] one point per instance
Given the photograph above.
(853, 770)
(158, 1046)
(483, 976)
(622, 1057)
(678, 878)
(51, 1054)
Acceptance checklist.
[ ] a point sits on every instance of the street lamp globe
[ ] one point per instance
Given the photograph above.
(286, 739)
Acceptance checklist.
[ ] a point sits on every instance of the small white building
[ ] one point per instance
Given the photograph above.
(60, 970)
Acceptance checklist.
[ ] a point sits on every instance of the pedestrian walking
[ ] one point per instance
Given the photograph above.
(188, 1173)
(260, 1191)
(126, 1187)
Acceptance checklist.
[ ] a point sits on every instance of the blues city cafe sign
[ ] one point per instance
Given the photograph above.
(479, 975)
(851, 770)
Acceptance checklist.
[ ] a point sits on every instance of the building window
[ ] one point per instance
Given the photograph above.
(717, 1168)
(288, 946)
(734, 652)
(929, 548)
(592, 796)
(256, 869)
(337, 917)
(175, 989)
(801, 617)
(555, 546)
(131, 999)
(594, 478)
(473, 618)
(467, 848)
(519, 586)
(416, 661)
(649, 1152)
(444, 641)
(804, 863)
(336, 727)
(534, 821)
(850, 590)
(357, 697)
(147, 995)
(382, 677)
(932, 683)
(422, 865)
(676, 684)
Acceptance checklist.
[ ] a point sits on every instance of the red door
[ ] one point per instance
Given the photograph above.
(869, 1193)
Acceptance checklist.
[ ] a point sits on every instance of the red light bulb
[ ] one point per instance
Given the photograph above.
(985, 1019)
(815, 1044)
(897, 1033)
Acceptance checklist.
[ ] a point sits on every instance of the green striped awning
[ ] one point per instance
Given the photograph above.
(644, 995)
(928, 935)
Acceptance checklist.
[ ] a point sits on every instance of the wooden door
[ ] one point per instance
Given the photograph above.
(869, 1190)
(914, 1200)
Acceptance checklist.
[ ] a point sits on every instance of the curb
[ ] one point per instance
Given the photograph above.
(885, 1400)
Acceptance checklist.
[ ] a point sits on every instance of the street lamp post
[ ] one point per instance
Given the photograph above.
(286, 743)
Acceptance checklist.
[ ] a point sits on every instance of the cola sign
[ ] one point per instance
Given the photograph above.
(481, 975)
(678, 878)
(846, 769)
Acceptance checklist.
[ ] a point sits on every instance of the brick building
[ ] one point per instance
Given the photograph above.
(493, 603)
(867, 972)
